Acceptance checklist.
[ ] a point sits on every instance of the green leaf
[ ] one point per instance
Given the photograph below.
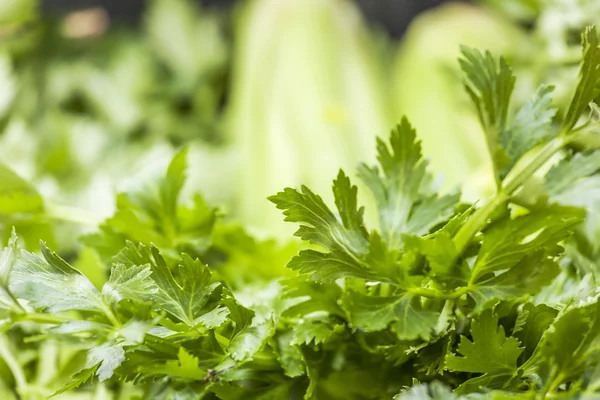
(441, 255)
(107, 357)
(170, 187)
(186, 367)
(431, 391)
(311, 331)
(571, 171)
(346, 238)
(528, 276)
(533, 321)
(400, 185)
(510, 240)
(403, 313)
(385, 262)
(588, 86)
(531, 125)
(430, 212)
(52, 284)
(404, 205)
(214, 318)
(489, 84)
(132, 283)
(561, 352)
(302, 297)
(8, 258)
(78, 379)
(251, 340)
(289, 356)
(17, 196)
(489, 351)
(184, 297)
(240, 315)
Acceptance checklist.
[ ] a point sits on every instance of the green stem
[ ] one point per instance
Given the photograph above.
(111, 317)
(491, 152)
(554, 384)
(385, 289)
(21, 309)
(477, 221)
(41, 318)
(586, 140)
(525, 168)
(15, 368)
(434, 294)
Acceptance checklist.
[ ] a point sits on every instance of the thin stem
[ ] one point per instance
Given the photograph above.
(554, 384)
(41, 318)
(525, 169)
(527, 166)
(477, 221)
(385, 289)
(15, 300)
(491, 152)
(434, 294)
(111, 317)
(15, 368)
(586, 140)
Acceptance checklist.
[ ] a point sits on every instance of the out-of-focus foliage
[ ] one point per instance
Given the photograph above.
(74, 100)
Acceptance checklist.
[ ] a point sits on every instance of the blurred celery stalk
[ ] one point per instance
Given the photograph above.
(308, 97)
(427, 88)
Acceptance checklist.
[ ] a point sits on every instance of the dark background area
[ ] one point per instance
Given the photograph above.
(392, 15)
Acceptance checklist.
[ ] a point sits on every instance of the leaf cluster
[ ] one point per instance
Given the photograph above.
(440, 299)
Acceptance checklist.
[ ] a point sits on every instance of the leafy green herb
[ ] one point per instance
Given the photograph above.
(438, 300)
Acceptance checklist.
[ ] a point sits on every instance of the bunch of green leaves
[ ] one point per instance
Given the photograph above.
(147, 320)
(462, 294)
(440, 300)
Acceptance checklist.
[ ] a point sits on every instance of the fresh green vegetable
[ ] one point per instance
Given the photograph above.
(439, 299)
